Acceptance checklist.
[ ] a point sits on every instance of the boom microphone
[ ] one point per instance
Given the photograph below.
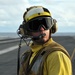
(38, 37)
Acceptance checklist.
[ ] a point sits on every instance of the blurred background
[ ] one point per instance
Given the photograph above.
(11, 16)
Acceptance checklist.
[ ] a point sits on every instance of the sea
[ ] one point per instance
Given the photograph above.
(8, 35)
(15, 35)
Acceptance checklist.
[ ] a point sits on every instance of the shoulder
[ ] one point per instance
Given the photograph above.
(57, 48)
(58, 63)
(57, 56)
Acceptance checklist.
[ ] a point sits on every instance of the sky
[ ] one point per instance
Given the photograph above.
(11, 13)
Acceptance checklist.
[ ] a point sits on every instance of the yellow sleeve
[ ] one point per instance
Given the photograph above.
(57, 63)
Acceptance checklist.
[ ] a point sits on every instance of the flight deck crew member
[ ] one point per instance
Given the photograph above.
(45, 57)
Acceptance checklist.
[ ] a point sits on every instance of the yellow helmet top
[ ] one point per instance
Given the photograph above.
(35, 11)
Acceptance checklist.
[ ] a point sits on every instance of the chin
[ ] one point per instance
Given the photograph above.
(45, 39)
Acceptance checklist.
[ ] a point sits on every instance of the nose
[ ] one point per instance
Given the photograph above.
(42, 28)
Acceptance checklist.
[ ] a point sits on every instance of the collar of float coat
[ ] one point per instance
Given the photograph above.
(35, 48)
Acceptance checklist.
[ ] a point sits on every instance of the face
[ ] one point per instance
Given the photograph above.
(42, 31)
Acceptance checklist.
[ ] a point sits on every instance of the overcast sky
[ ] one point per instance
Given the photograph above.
(11, 12)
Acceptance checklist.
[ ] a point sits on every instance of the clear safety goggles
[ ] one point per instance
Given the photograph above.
(35, 24)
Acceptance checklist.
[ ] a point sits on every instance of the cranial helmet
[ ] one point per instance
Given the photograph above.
(35, 17)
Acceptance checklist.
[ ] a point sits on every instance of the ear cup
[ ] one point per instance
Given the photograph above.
(54, 27)
(22, 31)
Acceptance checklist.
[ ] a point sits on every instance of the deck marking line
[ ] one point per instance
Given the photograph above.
(9, 49)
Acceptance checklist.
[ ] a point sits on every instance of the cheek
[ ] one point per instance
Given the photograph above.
(47, 35)
(35, 34)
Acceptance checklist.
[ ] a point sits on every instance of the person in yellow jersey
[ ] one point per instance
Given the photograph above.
(45, 57)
